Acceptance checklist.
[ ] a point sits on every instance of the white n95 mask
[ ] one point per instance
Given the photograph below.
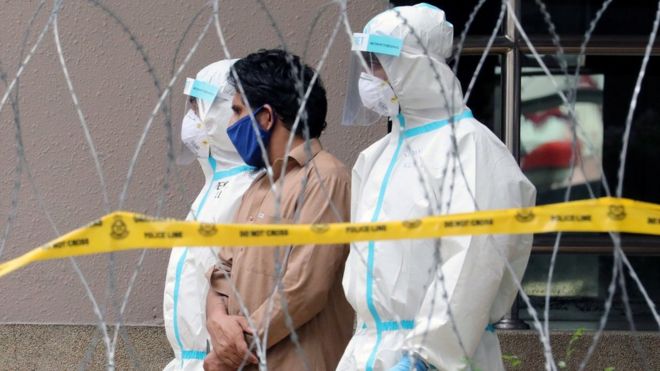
(377, 95)
(194, 135)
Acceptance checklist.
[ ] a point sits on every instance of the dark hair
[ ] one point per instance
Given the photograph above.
(273, 77)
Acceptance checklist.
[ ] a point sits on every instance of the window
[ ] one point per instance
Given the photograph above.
(572, 17)
(516, 100)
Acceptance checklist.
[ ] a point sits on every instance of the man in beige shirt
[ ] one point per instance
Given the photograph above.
(290, 294)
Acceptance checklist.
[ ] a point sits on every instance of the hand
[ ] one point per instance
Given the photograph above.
(403, 365)
(227, 338)
(406, 364)
(212, 363)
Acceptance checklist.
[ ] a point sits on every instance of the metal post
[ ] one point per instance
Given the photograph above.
(511, 119)
(512, 321)
(511, 93)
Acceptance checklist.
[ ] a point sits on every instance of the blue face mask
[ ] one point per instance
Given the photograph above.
(242, 135)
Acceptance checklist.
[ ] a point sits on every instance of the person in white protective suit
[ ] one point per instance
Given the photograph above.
(227, 177)
(398, 288)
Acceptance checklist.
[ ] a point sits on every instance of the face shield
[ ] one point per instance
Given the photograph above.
(369, 97)
(216, 116)
(194, 131)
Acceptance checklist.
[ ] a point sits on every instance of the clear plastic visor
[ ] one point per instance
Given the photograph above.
(186, 156)
(203, 105)
(355, 113)
(367, 53)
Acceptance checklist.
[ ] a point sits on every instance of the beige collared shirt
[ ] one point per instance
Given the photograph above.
(312, 274)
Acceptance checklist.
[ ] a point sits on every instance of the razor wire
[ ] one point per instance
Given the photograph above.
(615, 238)
(22, 161)
(560, 56)
(569, 102)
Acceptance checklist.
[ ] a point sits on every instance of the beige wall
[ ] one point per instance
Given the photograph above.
(117, 95)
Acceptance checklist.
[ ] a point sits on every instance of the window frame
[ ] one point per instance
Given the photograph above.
(510, 47)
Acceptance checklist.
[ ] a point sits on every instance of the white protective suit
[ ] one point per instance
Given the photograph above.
(227, 178)
(394, 285)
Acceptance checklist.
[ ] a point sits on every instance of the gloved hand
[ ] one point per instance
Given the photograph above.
(405, 364)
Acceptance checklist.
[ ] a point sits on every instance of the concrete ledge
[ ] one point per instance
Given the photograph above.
(73, 347)
(615, 349)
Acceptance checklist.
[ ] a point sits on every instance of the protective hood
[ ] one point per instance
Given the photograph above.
(215, 115)
(426, 88)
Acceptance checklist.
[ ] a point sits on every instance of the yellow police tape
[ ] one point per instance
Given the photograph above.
(126, 231)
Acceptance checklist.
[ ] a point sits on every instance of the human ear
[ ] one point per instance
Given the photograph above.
(266, 117)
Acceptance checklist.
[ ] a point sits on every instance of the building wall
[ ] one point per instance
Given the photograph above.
(116, 95)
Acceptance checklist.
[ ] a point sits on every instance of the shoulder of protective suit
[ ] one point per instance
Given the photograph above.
(483, 135)
(473, 129)
(375, 148)
(369, 155)
(493, 152)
